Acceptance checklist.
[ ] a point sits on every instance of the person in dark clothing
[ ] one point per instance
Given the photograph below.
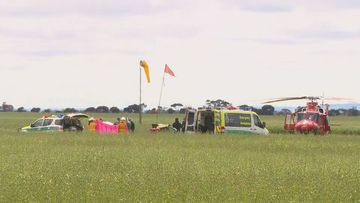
(183, 125)
(209, 124)
(117, 121)
(132, 125)
(177, 125)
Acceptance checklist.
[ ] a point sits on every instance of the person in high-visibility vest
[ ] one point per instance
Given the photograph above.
(92, 125)
(123, 128)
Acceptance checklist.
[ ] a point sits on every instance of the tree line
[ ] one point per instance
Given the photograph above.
(174, 108)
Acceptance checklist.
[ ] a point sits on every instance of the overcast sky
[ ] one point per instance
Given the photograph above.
(83, 53)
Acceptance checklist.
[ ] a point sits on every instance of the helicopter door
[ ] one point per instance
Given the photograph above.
(289, 123)
(190, 121)
(324, 124)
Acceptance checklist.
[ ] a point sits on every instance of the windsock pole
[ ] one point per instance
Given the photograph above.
(161, 91)
(140, 105)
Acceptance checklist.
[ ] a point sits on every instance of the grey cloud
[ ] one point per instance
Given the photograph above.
(260, 5)
(16, 68)
(328, 35)
(271, 6)
(48, 53)
(347, 3)
(277, 41)
(22, 33)
(307, 37)
(89, 8)
(267, 8)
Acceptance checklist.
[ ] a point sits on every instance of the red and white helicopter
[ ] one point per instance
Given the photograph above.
(311, 118)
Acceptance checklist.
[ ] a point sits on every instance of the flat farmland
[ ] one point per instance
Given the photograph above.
(167, 167)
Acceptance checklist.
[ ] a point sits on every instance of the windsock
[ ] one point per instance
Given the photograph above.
(146, 69)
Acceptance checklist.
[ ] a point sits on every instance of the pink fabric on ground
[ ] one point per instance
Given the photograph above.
(102, 127)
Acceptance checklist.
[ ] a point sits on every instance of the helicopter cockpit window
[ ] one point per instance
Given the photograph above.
(300, 117)
(313, 117)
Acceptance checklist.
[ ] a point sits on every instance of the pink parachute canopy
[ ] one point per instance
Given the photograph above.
(102, 127)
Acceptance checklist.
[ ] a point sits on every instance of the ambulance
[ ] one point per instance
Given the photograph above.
(218, 121)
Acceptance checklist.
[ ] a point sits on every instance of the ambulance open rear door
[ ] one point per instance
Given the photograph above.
(190, 125)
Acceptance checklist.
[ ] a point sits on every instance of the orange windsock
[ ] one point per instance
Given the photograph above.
(146, 69)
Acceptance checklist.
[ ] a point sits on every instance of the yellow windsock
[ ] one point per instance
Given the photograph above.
(146, 69)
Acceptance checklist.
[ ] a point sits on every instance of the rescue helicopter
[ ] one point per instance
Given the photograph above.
(311, 118)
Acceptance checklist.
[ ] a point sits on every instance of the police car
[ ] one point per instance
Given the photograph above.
(56, 123)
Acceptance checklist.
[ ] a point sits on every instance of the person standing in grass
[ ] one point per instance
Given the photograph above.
(132, 125)
(117, 121)
(92, 125)
(123, 128)
(177, 125)
(183, 126)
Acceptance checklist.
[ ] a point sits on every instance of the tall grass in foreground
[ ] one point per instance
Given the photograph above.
(176, 167)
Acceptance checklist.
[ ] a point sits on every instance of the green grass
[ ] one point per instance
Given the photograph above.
(87, 167)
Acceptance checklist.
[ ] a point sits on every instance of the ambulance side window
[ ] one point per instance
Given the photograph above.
(237, 120)
(245, 120)
(232, 120)
(257, 121)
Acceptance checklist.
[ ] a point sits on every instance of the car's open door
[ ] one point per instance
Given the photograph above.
(190, 118)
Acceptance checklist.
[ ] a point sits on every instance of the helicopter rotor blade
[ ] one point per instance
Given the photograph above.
(290, 99)
(339, 99)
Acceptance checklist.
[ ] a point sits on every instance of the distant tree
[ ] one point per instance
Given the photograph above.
(352, 112)
(114, 110)
(170, 111)
(152, 111)
(35, 110)
(70, 110)
(90, 110)
(217, 103)
(7, 107)
(334, 112)
(102, 109)
(258, 111)
(342, 112)
(143, 106)
(245, 107)
(21, 109)
(284, 112)
(47, 111)
(176, 105)
(162, 109)
(268, 110)
(134, 108)
(183, 110)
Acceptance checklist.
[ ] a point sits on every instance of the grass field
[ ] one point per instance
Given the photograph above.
(87, 167)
